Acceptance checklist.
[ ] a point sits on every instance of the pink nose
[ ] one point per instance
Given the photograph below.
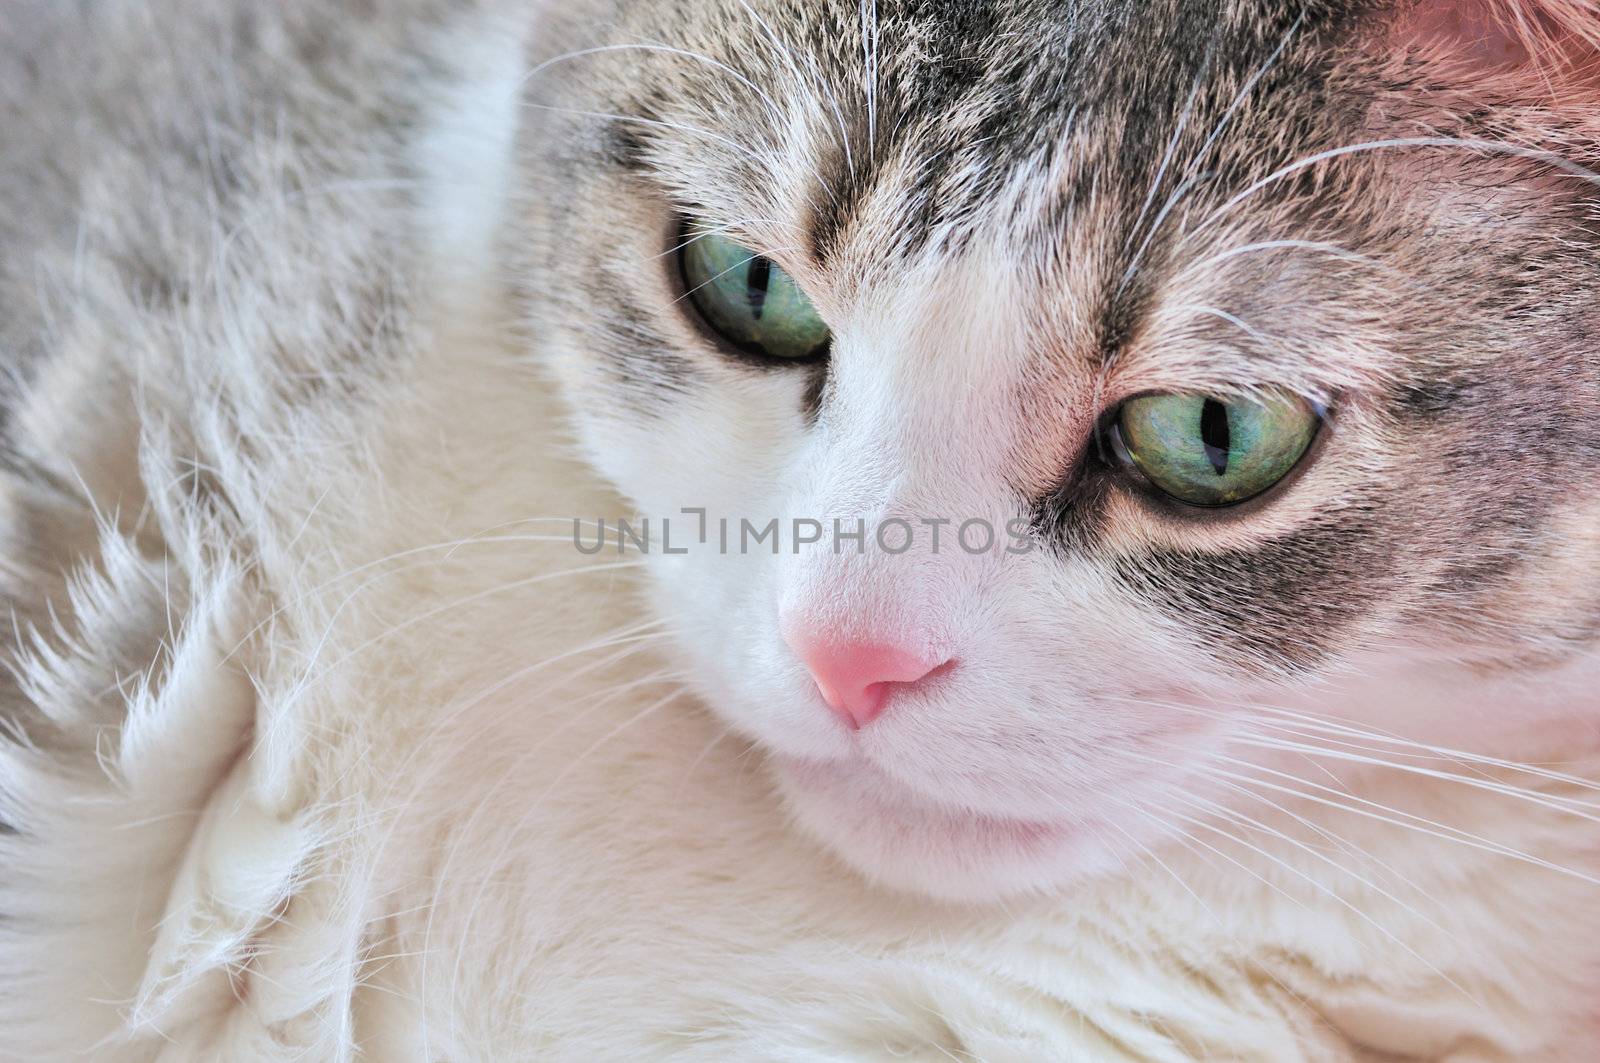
(856, 677)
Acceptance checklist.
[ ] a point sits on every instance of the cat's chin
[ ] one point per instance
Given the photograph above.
(903, 841)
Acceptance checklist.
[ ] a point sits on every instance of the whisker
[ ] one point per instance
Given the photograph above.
(704, 231)
(1391, 273)
(787, 55)
(449, 546)
(1300, 722)
(1244, 92)
(736, 266)
(1444, 752)
(311, 679)
(1334, 896)
(1161, 173)
(1556, 804)
(1487, 147)
(1247, 869)
(1193, 177)
(1163, 865)
(1187, 185)
(1238, 817)
(773, 110)
(1368, 809)
(688, 772)
(869, 49)
(624, 644)
(1224, 316)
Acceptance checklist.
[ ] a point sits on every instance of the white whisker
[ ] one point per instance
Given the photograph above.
(1484, 147)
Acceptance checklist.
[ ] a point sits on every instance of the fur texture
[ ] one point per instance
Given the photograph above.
(325, 743)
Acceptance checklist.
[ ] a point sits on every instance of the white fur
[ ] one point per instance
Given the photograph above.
(391, 789)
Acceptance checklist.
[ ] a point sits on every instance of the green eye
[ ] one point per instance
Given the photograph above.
(747, 298)
(1211, 452)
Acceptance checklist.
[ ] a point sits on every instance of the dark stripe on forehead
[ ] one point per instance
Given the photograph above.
(948, 94)
(845, 179)
(961, 104)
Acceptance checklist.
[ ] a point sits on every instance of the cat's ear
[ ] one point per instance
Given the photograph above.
(1556, 40)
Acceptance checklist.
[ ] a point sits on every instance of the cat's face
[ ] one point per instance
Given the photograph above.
(1246, 429)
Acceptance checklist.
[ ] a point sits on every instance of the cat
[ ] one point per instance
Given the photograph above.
(1238, 350)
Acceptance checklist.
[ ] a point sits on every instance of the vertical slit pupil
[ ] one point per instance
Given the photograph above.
(1215, 435)
(758, 279)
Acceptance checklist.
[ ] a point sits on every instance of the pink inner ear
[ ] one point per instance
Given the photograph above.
(1478, 31)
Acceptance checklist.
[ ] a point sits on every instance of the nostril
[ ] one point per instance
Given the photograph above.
(857, 677)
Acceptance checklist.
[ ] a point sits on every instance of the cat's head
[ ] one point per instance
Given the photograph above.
(1238, 352)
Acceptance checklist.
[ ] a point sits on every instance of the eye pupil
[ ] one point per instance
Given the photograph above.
(1215, 435)
(758, 281)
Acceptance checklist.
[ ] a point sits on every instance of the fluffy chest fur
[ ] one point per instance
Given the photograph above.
(336, 748)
